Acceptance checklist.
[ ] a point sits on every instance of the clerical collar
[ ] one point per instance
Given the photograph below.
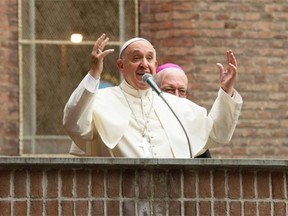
(134, 92)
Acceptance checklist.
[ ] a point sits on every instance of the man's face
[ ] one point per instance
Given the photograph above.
(138, 58)
(174, 82)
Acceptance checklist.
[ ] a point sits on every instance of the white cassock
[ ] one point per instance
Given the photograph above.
(109, 122)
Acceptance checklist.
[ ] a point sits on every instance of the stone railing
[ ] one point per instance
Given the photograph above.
(121, 186)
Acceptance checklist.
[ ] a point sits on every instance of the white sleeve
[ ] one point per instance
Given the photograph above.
(91, 84)
(225, 113)
(77, 118)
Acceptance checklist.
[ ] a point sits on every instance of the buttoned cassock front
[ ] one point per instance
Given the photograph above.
(100, 122)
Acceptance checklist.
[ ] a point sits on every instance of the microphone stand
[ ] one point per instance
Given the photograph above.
(190, 150)
(147, 78)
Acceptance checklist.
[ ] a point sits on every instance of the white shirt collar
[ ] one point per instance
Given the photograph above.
(134, 92)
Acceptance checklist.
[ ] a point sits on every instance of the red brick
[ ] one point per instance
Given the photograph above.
(219, 184)
(5, 207)
(204, 184)
(36, 208)
(189, 184)
(82, 183)
(36, 177)
(235, 208)
(144, 183)
(250, 208)
(128, 207)
(9, 113)
(113, 183)
(264, 208)
(160, 183)
(174, 208)
(248, 184)
(97, 183)
(159, 208)
(190, 208)
(5, 183)
(233, 178)
(67, 207)
(20, 208)
(20, 181)
(98, 208)
(279, 208)
(143, 208)
(263, 185)
(220, 208)
(112, 207)
(205, 208)
(128, 183)
(51, 207)
(277, 182)
(67, 183)
(52, 183)
(174, 183)
(81, 207)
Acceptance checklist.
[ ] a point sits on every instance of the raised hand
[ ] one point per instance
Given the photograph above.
(97, 56)
(228, 76)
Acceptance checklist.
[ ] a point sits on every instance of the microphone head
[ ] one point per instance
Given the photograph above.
(146, 76)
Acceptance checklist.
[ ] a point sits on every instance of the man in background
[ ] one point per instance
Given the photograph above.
(172, 79)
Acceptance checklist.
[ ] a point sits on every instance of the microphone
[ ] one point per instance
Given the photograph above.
(147, 78)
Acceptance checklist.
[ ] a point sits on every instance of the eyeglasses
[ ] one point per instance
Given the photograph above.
(181, 92)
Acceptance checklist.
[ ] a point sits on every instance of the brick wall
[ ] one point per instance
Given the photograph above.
(89, 186)
(196, 34)
(9, 85)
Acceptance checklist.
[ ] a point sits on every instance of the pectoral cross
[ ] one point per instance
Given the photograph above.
(146, 147)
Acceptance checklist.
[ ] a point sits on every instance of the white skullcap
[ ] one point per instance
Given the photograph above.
(127, 43)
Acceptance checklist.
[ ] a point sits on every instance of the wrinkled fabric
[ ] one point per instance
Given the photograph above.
(101, 124)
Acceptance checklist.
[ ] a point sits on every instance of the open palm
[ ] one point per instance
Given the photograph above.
(228, 75)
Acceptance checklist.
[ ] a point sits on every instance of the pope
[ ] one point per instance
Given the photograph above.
(131, 120)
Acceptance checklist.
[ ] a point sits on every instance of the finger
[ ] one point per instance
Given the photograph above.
(228, 56)
(98, 43)
(103, 43)
(220, 67)
(234, 68)
(106, 52)
(233, 59)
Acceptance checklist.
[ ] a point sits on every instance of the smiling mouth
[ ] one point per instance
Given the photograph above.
(140, 76)
(141, 73)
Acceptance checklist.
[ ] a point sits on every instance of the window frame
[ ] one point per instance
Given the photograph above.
(32, 91)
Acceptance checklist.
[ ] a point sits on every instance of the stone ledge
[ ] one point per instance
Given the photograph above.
(76, 162)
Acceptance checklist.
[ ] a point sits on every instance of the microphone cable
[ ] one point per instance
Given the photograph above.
(147, 78)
